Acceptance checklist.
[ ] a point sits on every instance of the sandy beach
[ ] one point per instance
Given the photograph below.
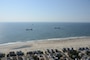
(46, 44)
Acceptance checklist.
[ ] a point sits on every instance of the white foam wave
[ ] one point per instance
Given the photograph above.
(10, 43)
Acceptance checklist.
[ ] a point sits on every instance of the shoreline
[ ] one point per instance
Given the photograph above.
(56, 43)
(50, 39)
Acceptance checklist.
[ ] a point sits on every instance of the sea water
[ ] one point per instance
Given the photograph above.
(32, 31)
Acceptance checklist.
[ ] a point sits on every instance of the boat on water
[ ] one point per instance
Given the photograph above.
(29, 29)
(57, 28)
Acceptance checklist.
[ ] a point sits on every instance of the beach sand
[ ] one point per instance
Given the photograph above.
(46, 44)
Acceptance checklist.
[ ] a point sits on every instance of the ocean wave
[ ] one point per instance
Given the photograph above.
(66, 38)
(10, 43)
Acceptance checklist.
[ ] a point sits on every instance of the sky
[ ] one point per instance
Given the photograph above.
(44, 10)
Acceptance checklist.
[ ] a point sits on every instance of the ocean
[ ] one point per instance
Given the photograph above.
(31, 31)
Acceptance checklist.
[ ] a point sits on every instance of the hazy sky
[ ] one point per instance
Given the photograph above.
(44, 10)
